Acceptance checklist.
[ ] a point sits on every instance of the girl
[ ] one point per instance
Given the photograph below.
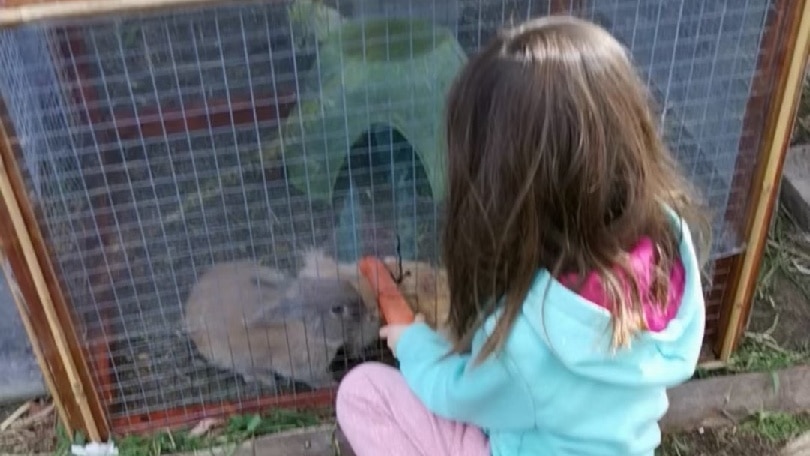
(575, 287)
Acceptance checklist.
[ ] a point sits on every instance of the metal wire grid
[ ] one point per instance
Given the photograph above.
(699, 56)
(203, 194)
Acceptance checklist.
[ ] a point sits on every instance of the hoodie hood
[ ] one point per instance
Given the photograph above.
(577, 326)
(642, 264)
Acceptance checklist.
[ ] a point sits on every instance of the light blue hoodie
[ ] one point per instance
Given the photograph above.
(555, 389)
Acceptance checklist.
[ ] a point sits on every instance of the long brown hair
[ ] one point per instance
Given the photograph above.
(555, 161)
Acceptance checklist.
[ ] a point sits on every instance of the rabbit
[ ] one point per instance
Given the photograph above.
(317, 264)
(260, 322)
(423, 286)
(426, 289)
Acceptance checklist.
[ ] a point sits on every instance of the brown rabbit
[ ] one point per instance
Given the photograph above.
(260, 322)
(424, 286)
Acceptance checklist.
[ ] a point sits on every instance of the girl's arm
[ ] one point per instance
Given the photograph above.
(487, 395)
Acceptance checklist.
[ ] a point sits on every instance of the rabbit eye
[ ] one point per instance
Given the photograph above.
(337, 310)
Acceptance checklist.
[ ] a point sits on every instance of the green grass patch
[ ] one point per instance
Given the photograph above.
(777, 427)
(236, 430)
(757, 353)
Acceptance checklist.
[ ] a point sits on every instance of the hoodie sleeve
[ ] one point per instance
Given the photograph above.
(485, 395)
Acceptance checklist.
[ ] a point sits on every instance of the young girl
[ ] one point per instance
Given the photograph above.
(575, 286)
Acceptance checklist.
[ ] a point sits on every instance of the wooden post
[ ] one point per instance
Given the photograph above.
(46, 306)
(19, 302)
(793, 18)
(18, 12)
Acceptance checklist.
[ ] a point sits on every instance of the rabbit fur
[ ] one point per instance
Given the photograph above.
(260, 322)
(423, 286)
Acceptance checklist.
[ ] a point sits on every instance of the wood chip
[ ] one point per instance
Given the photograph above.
(21, 410)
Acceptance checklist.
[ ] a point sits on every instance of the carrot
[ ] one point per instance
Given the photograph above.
(394, 308)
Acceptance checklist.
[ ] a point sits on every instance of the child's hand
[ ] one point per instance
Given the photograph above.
(391, 333)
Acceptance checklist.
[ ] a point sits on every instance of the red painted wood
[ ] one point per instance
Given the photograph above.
(153, 121)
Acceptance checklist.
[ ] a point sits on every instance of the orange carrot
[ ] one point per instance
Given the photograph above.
(394, 308)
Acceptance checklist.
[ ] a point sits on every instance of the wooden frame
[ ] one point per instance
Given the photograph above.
(82, 394)
(47, 315)
(774, 97)
(20, 304)
(19, 12)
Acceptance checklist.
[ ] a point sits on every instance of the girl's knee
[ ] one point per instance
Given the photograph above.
(362, 383)
(361, 378)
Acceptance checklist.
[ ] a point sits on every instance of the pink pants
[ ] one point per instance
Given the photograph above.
(380, 415)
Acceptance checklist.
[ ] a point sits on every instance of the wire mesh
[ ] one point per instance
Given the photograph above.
(160, 145)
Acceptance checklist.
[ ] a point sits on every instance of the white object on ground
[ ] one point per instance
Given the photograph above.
(94, 449)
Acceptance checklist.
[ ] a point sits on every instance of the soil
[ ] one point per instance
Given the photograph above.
(38, 436)
(787, 316)
(719, 442)
(742, 440)
(787, 311)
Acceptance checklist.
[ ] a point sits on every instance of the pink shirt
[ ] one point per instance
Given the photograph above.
(642, 258)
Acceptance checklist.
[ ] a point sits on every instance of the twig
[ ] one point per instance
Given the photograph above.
(790, 251)
(400, 274)
(33, 418)
(767, 341)
(728, 416)
(15, 416)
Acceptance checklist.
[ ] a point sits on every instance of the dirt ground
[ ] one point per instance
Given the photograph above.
(35, 432)
(718, 442)
(728, 441)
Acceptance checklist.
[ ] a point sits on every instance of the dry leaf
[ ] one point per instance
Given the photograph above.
(204, 426)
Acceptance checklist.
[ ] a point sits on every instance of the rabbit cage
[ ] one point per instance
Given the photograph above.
(146, 141)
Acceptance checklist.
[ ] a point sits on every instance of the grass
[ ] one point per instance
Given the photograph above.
(787, 254)
(757, 353)
(762, 433)
(235, 431)
(772, 429)
(777, 427)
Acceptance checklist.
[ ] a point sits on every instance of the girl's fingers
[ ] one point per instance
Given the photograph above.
(419, 318)
(384, 332)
